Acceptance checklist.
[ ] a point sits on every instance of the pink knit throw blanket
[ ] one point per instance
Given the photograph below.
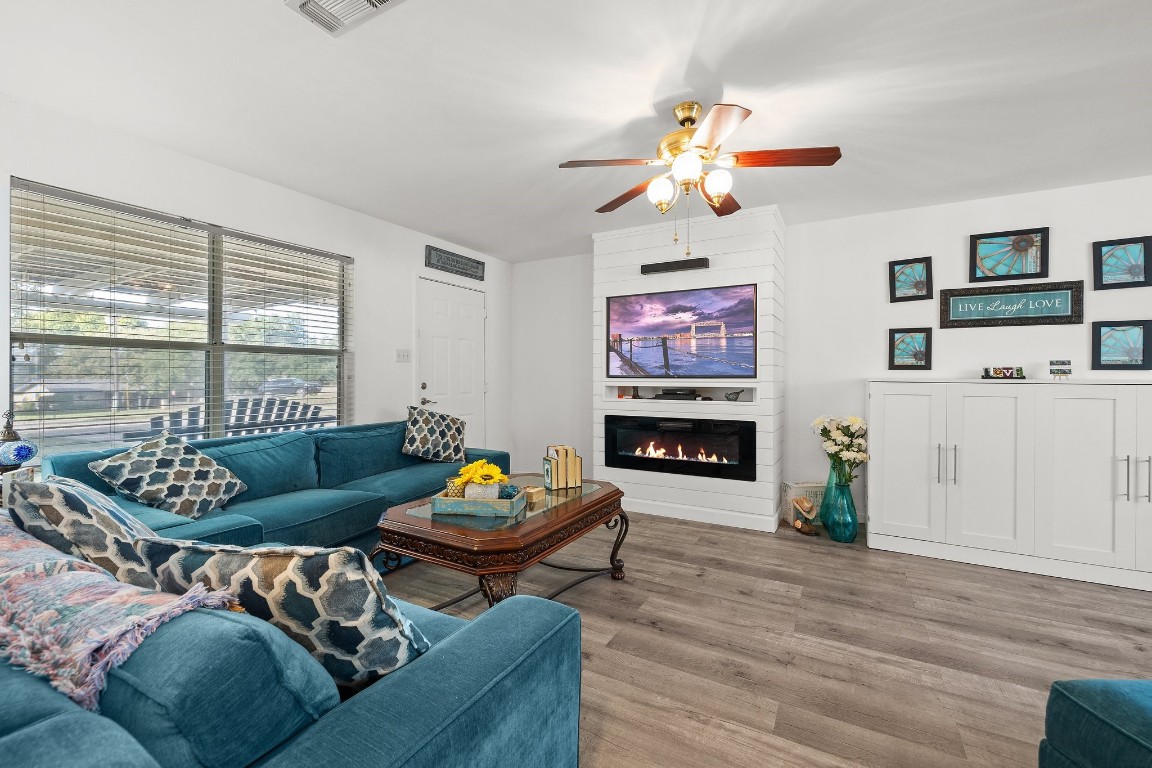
(75, 625)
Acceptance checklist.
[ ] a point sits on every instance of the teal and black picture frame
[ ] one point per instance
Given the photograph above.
(1016, 254)
(909, 349)
(1121, 263)
(910, 279)
(1122, 345)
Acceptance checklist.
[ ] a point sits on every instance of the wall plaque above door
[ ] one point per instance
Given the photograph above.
(1059, 303)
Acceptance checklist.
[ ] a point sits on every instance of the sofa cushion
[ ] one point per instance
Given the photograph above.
(401, 485)
(217, 688)
(316, 517)
(435, 626)
(347, 456)
(331, 601)
(41, 728)
(434, 436)
(73, 518)
(270, 465)
(1101, 722)
(168, 473)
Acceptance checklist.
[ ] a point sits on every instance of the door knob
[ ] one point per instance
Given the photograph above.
(423, 385)
(426, 401)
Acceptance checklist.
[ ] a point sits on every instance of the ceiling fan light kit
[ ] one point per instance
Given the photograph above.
(696, 144)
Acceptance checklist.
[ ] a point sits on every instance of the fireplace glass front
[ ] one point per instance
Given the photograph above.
(703, 447)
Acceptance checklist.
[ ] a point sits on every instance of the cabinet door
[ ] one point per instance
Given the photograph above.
(906, 474)
(1142, 477)
(989, 460)
(1085, 449)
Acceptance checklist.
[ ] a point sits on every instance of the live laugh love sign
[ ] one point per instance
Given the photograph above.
(1032, 304)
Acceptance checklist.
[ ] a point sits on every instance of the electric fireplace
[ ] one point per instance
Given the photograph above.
(702, 447)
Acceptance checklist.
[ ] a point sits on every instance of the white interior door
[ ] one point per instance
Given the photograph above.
(907, 470)
(450, 354)
(990, 455)
(1085, 454)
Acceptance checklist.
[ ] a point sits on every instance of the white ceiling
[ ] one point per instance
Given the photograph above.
(450, 116)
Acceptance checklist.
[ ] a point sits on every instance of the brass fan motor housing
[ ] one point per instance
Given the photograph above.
(680, 141)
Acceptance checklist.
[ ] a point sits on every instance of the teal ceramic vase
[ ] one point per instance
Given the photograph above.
(838, 513)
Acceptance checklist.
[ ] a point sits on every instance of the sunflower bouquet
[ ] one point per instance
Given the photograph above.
(483, 477)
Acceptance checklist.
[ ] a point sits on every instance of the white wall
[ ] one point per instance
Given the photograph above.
(552, 343)
(52, 149)
(838, 311)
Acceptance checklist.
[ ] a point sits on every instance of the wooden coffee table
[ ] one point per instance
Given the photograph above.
(496, 550)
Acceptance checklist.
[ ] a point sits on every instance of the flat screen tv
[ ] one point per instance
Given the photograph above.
(703, 333)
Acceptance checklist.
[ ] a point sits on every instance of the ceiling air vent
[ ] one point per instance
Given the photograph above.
(338, 16)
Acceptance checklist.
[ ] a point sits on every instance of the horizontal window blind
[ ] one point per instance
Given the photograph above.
(126, 321)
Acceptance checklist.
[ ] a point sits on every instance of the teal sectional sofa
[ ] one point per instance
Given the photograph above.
(1098, 724)
(215, 689)
(320, 487)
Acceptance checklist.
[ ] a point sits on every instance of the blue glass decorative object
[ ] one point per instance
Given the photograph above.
(838, 513)
(14, 451)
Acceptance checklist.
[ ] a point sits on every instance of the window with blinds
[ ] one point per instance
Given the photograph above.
(126, 322)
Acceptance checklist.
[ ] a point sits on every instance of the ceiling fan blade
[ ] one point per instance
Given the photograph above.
(727, 205)
(628, 196)
(595, 163)
(718, 125)
(766, 158)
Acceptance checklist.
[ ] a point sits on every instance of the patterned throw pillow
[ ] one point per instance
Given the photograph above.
(433, 436)
(331, 601)
(77, 520)
(167, 473)
(21, 552)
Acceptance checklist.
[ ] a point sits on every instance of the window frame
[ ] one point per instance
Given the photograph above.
(215, 348)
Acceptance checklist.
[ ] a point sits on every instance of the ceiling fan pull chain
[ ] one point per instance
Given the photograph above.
(688, 225)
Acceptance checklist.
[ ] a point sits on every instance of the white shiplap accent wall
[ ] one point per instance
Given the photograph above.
(746, 247)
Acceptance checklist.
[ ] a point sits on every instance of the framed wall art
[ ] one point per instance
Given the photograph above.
(1058, 303)
(1014, 255)
(909, 348)
(1122, 345)
(1121, 263)
(910, 279)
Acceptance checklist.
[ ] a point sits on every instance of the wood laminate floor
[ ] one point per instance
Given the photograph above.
(726, 647)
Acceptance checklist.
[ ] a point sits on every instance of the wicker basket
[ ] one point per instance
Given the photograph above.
(790, 489)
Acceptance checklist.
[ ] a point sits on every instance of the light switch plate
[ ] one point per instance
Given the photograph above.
(403, 355)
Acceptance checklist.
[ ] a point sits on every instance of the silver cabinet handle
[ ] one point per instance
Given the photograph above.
(939, 456)
(1127, 478)
(955, 463)
(1148, 495)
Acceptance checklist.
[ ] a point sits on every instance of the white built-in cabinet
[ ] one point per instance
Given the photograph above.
(1043, 477)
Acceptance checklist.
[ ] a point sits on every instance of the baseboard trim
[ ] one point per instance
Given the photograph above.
(766, 523)
(1063, 569)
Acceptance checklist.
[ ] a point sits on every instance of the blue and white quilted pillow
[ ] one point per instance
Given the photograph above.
(68, 515)
(168, 473)
(330, 600)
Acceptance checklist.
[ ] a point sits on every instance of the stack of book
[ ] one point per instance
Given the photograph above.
(562, 468)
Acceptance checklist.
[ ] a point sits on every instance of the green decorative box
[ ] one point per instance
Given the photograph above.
(442, 505)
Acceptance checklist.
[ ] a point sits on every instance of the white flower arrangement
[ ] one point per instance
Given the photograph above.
(844, 441)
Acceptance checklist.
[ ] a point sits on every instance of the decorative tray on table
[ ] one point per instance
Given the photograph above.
(443, 505)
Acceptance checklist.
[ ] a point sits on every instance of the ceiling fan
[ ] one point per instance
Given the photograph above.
(686, 151)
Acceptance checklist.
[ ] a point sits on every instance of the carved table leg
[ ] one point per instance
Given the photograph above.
(619, 522)
(497, 586)
(391, 559)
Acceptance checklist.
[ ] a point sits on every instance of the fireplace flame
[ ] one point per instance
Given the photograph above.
(652, 452)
